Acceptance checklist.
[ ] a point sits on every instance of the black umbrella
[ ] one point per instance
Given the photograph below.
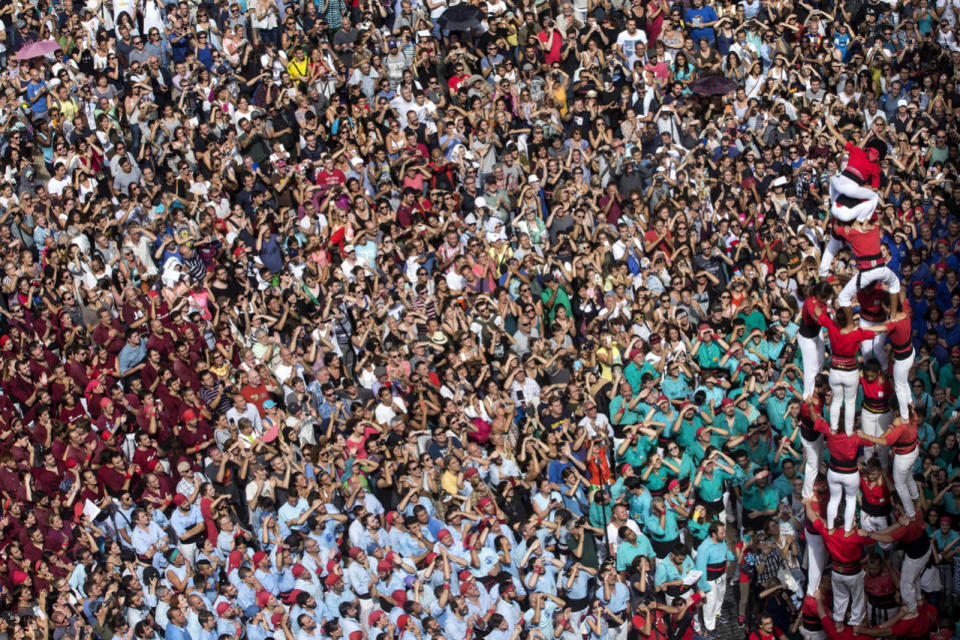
(461, 17)
(713, 86)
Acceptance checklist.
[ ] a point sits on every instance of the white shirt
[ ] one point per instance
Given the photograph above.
(628, 42)
(386, 413)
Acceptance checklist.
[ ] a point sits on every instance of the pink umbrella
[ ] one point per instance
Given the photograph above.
(37, 49)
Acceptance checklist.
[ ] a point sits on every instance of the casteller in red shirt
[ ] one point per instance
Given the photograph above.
(767, 630)
(863, 164)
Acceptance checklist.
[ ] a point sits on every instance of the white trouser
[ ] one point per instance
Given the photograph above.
(817, 557)
(873, 424)
(847, 590)
(830, 251)
(576, 618)
(844, 385)
(901, 384)
(873, 524)
(843, 485)
(812, 635)
(189, 551)
(713, 603)
(812, 456)
(910, 579)
(620, 633)
(812, 350)
(366, 608)
(874, 348)
(843, 186)
(865, 278)
(903, 480)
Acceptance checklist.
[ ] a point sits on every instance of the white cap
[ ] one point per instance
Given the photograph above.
(470, 219)
(481, 202)
(533, 178)
(356, 162)
(348, 248)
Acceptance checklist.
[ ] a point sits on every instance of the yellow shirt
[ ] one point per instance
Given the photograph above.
(560, 99)
(606, 371)
(298, 69)
(68, 108)
(448, 482)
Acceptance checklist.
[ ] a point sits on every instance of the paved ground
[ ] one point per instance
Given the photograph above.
(730, 630)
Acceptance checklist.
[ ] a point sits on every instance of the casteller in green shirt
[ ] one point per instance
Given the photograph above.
(554, 294)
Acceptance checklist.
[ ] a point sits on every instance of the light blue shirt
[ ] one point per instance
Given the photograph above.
(668, 531)
(130, 357)
(668, 572)
(173, 632)
(710, 552)
(288, 513)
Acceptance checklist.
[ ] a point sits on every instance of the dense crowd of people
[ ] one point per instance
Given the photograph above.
(416, 320)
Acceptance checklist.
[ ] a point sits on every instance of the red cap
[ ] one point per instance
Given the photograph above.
(464, 574)
(482, 502)
(384, 566)
(222, 608)
(941, 265)
(399, 596)
(189, 415)
(234, 560)
(331, 579)
(623, 469)
(355, 552)
(662, 398)
(19, 577)
(705, 327)
(950, 312)
(179, 499)
(402, 622)
(276, 619)
(726, 402)
(298, 570)
(443, 533)
(391, 517)
(433, 555)
(375, 617)
(701, 431)
(263, 597)
(955, 350)
(673, 484)
(470, 472)
(634, 353)
(258, 557)
(71, 463)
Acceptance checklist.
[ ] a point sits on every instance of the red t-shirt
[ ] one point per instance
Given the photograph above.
(455, 81)
(859, 163)
(554, 54)
(330, 178)
(864, 244)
